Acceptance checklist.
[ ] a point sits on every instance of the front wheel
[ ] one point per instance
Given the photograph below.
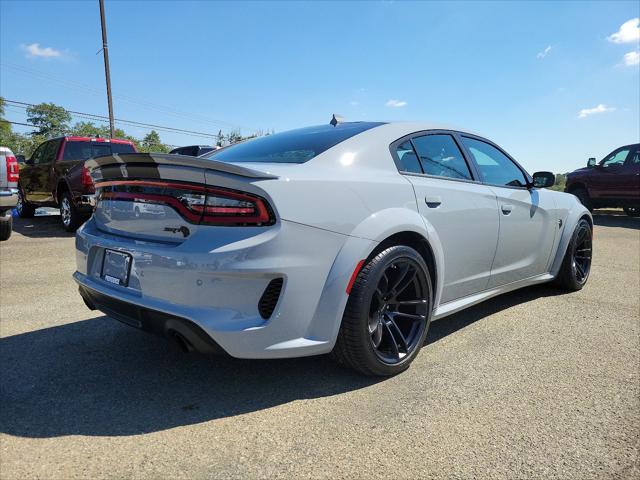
(576, 265)
(24, 209)
(632, 211)
(6, 225)
(387, 315)
(584, 198)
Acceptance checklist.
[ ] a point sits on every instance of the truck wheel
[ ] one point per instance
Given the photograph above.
(24, 209)
(584, 198)
(71, 218)
(632, 211)
(576, 265)
(6, 225)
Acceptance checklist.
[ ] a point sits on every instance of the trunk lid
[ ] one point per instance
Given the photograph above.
(168, 198)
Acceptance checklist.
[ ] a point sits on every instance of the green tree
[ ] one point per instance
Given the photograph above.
(152, 143)
(220, 139)
(49, 119)
(5, 127)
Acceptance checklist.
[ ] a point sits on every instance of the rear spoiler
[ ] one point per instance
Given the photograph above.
(133, 165)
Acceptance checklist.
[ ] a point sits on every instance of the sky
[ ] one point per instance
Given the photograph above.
(552, 82)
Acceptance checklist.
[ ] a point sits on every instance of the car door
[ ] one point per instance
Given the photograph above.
(632, 166)
(37, 172)
(527, 215)
(612, 179)
(461, 211)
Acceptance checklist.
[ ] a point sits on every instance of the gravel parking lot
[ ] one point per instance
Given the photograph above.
(533, 384)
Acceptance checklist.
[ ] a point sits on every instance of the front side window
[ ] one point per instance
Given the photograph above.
(616, 159)
(440, 156)
(496, 168)
(50, 151)
(294, 146)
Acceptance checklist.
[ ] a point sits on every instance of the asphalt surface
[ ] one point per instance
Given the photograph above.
(532, 384)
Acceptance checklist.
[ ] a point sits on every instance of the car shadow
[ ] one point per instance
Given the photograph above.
(615, 218)
(41, 226)
(100, 378)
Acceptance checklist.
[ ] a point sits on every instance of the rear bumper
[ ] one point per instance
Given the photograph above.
(187, 333)
(216, 278)
(8, 198)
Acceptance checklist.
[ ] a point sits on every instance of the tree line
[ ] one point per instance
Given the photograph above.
(51, 120)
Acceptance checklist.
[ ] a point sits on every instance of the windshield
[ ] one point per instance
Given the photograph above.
(294, 146)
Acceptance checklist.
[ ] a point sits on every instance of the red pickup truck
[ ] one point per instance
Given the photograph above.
(55, 176)
(612, 182)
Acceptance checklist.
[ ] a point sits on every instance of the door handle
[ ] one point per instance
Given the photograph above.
(506, 209)
(433, 201)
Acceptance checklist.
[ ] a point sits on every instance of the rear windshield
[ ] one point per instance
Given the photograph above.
(294, 146)
(83, 150)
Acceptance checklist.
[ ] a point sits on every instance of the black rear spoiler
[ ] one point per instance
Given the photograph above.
(138, 161)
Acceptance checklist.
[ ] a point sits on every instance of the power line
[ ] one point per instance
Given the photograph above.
(102, 118)
(76, 86)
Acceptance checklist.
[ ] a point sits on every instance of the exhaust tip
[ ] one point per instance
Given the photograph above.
(181, 342)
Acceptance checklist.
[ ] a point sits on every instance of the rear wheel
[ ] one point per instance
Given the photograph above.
(24, 209)
(632, 211)
(576, 265)
(69, 215)
(6, 225)
(387, 316)
(584, 198)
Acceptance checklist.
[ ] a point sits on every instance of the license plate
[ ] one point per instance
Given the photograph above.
(116, 267)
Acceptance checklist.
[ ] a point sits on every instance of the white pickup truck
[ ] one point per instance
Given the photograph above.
(9, 174)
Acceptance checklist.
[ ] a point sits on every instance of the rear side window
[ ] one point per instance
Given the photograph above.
(440, 156)
(496, 168)
(408, 158)
(294, 146)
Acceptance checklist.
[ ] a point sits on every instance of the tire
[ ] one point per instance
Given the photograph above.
(6, 225)
(69, 216)
(584, 198)
(24, 209)
(573, 273)
(376, 315)
(632, 211)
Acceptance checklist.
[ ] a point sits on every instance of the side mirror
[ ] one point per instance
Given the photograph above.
(544, 179)
(20, 158)
(591, 162)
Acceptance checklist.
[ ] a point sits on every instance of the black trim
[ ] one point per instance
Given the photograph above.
(393, 147)
(152, 321)
(270, 297)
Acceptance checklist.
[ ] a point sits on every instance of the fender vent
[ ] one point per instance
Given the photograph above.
(269, 298)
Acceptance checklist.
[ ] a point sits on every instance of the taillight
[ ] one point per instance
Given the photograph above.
(13, 170)
(196, 204)
(86, 177)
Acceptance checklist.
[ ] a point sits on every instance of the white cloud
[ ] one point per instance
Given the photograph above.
(629, 32)
(544, 53)
(601, 108)
(354, 103)
(35, 50)
(631, 59)
(396, 103)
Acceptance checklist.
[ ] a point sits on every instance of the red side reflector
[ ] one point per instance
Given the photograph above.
(354, 275)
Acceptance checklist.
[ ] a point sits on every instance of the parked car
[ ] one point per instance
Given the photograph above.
(347, 239)
(9, 175)
(55, 176)
(613, 182)
(193, 150)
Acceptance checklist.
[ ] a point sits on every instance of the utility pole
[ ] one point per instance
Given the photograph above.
(107, 74)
